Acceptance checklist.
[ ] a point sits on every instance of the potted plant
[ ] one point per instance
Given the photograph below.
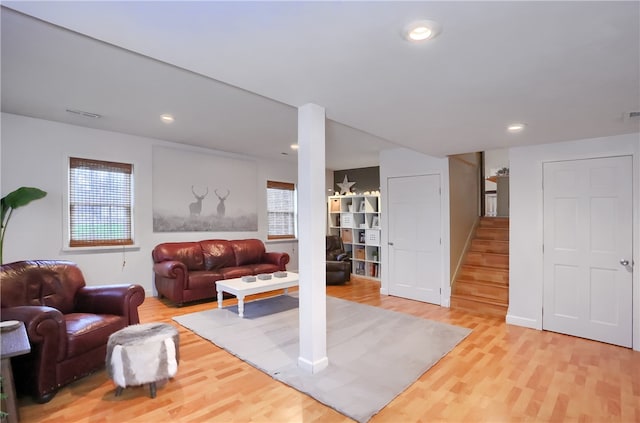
(18, 198)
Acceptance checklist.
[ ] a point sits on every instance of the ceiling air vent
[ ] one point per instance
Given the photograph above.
(85, 114)
(631, 116)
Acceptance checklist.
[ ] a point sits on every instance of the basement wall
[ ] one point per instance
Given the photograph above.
(34, 153)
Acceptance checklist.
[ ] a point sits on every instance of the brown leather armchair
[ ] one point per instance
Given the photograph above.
(68, 323)
(338, 261)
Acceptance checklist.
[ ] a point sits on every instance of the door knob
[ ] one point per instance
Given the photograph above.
(390, 243)
(624, 262)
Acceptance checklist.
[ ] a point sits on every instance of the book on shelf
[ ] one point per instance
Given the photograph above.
(373, 270)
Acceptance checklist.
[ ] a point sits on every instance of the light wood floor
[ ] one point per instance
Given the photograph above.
(500, 373)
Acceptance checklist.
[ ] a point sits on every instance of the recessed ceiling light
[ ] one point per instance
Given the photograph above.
(516, 127)
(422, 30)
(294, 146)
(166, 118)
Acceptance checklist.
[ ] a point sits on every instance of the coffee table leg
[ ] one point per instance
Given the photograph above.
(219, 298)
(241, 305)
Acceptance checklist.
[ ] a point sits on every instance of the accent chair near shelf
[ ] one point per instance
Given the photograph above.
(338, 261)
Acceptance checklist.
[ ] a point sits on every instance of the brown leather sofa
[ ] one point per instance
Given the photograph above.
(68, 323)
(338, 261)
(188, 271)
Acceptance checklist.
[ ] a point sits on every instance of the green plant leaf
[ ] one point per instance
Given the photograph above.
(18, 198)
(22, 196)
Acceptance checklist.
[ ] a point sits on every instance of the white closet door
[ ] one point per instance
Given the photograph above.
(587, 239)
(415, 249)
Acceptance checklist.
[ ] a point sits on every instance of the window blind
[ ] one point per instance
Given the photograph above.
(281, 209)
(100, 203)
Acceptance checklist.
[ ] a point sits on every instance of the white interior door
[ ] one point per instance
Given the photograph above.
(587, 239)
(415, 249)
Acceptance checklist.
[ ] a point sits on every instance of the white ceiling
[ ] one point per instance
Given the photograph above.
(233, 73)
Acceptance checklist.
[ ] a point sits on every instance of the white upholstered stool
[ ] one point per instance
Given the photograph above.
(141, 354)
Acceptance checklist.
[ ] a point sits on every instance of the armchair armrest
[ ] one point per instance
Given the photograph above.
(40, 321)
(338, 255)
(279, 259)
(338, 266)
(47, 333)
(343, 257)
(121, 300)
(45, 326)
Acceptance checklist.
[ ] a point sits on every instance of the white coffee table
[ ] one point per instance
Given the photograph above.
(241, 289)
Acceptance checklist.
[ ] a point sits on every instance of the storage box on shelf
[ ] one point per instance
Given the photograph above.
(356, 218)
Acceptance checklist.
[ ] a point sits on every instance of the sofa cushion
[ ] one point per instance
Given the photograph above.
(236, 272)
(204, 279)
(263, 268)
(248, 251)
(188, 253)
(86, 331)
(217, 253)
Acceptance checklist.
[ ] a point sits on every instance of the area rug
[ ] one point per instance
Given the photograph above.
(374, 354)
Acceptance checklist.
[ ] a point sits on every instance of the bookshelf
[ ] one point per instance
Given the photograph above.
(356, 218)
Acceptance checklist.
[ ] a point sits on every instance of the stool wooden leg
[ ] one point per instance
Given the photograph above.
(119, 390)
(152, 389)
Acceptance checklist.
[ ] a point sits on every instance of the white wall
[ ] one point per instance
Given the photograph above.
(526, 223)
(404, 162)
(34, 153)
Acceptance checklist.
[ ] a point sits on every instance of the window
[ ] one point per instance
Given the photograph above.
(100, 203)
(281, 209)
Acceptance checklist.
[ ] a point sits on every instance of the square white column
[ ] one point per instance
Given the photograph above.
(311, 238)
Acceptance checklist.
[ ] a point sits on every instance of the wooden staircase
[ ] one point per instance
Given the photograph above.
(482, 283)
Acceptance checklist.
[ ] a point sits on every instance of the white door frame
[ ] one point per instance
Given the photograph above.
(526, 208)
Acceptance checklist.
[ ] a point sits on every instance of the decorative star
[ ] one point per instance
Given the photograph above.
(345, 186)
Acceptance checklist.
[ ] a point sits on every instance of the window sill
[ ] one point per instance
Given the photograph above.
(280, 241)
(101, 249)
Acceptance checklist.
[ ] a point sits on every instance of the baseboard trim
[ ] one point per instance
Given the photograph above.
(523, 321)
(313, 367)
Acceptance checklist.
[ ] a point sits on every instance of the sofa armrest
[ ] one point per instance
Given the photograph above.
(279, 259)
(120, 300)
(171, 269)
(171, 279)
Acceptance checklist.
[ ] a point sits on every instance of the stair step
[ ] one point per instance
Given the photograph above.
(478, 305)
(482, 282)
(494, 222)
(499, 234)
(489, 290)
(485, 274)
(489, 246)
(496, 261)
